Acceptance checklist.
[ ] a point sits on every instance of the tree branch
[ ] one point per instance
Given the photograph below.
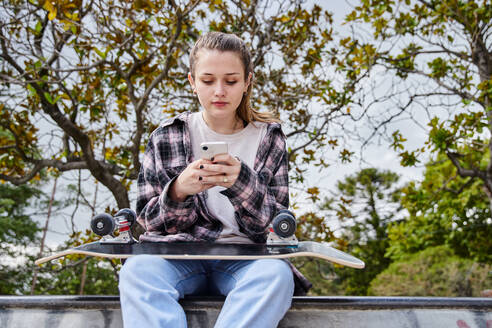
(473, 173)
(137, 139)
(61, 166)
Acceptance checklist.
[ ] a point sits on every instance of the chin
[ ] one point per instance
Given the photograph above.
(220, 112)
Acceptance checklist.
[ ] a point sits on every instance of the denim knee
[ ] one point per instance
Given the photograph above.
(137, 266)
(279, 273)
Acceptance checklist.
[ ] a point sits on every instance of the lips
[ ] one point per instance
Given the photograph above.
(219, 103)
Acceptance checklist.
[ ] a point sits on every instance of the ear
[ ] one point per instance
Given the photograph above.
(192, 82)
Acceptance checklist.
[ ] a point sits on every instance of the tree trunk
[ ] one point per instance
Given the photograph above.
(43, 239)
(84, 268)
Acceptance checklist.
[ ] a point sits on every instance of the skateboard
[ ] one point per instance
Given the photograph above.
(281, 244)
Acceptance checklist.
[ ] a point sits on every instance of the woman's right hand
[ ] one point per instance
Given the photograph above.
(189, 182)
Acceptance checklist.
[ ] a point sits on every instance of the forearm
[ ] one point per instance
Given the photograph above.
(161, 213)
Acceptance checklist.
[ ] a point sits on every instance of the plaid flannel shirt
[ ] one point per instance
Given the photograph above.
(256, 195)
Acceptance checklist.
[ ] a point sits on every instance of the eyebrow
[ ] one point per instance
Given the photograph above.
(234, 73)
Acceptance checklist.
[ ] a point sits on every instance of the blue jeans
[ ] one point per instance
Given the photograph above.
(259, 293)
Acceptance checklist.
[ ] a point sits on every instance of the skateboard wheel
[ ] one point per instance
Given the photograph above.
(128, 214)
(102, 224)
(284, 224)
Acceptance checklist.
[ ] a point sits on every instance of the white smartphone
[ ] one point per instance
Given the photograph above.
(211, 149)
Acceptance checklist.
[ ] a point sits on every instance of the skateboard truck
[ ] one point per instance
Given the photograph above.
(104, 225)
(282, 230)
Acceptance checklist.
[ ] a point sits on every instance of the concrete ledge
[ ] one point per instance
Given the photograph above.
(306, 312)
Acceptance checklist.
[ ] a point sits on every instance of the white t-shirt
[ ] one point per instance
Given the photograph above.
(244, 145)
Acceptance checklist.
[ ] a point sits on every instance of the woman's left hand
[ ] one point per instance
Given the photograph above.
(223, 171)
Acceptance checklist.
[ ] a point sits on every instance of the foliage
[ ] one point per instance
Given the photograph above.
(83, 83)
(436, 271)
(447, 229)
(367, 202)
(363, 205)
(16, 227)
(444, 209)
(427, 62)
(19, 240)
(64, 276)
(321, 274)
(14, 279)
(18, 232)
(65, 279)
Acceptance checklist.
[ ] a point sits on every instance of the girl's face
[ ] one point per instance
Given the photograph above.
(219, 82)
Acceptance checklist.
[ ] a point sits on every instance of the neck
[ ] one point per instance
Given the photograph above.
(224, 125)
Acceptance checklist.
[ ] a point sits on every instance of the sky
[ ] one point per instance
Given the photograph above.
(376, 155)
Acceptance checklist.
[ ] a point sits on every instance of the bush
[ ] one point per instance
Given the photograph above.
(436, 271)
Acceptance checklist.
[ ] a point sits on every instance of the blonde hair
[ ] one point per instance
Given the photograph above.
(230, 42)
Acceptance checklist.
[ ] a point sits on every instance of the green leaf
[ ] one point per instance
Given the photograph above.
(38, 27)
(48, 97)
(32, 91)
(100, 53)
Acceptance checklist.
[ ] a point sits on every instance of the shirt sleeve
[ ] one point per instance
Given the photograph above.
(156, 211)
(258, 196)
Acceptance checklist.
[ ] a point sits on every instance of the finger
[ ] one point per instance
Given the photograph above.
(217, 169)
(226, 159)
(207, 173)
(217, 180)
(196, 164)
(208, 169)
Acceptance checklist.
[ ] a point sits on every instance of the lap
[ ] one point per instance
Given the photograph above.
(226, 275)
(191, 277)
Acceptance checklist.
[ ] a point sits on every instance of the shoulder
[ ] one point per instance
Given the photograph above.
(167, 143)
(270, 128)
(272, 135)
(274, 141)
(170, 128)
(275, 130)
(179, 119)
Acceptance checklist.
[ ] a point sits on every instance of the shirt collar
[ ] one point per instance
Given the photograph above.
(183, 117)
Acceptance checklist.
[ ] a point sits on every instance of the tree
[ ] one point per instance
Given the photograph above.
(363, 204)
(18, 231)
(83, 83)
(19, 240)
(78, 274)
(430, 62)
(444, 209)
(435, 271)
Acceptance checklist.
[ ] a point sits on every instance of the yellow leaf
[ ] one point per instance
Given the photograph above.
(52, 15)
(66, 25)
(284, 19)
(51, 9)
(313, 191)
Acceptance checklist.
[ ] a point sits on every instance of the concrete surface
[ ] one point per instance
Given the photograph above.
(306, 312)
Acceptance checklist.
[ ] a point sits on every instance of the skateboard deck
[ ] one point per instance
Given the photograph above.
(211, 251)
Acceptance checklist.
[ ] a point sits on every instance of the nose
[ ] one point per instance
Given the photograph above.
(220, 89)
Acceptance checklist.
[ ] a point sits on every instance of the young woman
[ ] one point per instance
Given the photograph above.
(231, 198)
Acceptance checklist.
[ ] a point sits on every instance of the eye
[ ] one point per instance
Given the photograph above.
(207, 82)
(231, 82)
